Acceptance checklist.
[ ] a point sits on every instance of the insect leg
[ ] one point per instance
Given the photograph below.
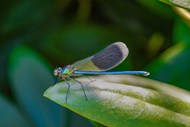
(82, 87)
(56, 80)
(89, 79)
(67, 88)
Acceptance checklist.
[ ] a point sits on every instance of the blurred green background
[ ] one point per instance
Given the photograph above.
(38, 35)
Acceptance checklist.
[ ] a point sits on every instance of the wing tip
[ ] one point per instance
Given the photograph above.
(123, 47)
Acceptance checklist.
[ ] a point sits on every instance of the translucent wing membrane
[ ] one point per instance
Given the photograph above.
(97, 64)
(106, 59)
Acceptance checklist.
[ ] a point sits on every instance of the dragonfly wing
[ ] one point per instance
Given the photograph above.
(106, 59)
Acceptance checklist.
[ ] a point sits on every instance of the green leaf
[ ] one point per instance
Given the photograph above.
(9, 112)
(95, 124)
(181, 32)
(29, 77)
(114, 102)
(157, 7)
(180, 3)
(24, 14)
(173, 66)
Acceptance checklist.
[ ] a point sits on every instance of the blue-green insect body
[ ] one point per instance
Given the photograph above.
(67, 70)
(97, 64)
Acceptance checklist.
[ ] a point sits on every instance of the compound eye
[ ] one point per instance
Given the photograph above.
(59, 69)
(55, 72)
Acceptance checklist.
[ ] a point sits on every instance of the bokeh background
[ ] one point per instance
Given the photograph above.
(38, 35)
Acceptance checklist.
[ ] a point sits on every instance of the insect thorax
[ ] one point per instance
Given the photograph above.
(68, 70)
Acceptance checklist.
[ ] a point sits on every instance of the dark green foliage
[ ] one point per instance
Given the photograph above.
(38, 35)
